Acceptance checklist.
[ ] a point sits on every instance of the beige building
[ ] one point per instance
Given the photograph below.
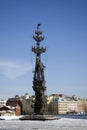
(72, 107)
(57, 104)
(6, 111)
(61, 104)
(82, 106)
(2, 103)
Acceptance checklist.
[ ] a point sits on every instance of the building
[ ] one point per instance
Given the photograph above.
(2, 103)
(72, 104)
(17, 103)
(23, 104)
(62, 104)
(57, 104)
(82, 106)
(6, 111)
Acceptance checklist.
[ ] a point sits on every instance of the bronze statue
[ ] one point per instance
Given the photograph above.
(39, 70)
(39, 79)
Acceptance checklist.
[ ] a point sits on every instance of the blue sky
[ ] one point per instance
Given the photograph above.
(64, 25)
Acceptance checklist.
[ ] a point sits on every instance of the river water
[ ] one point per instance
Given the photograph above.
(61, 124)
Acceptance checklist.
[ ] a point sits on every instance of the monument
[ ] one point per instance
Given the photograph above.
(39, 78)
(40, 106)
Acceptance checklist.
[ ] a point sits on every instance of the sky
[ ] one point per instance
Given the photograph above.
(64, 26)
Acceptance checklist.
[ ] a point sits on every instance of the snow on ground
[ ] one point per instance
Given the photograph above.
(9, 117)
(61, 124)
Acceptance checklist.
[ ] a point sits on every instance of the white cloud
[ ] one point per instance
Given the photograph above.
(12, 70)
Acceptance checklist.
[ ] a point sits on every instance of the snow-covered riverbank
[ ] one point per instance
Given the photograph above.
(61, 124)
(10, 117)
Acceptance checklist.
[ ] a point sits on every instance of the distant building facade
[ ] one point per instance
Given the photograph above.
(6, 111)
(82, 106)
(17, 103)
(2, 103)
(56, 104)
(61, 104)
(23, 104)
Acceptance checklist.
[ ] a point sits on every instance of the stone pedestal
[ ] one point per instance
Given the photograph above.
(39, 117)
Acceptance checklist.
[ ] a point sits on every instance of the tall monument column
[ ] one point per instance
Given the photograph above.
(40, 106)
(39, 78)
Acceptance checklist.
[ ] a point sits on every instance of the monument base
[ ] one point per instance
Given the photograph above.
(39, 117)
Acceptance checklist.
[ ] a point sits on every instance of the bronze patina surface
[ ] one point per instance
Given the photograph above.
(39, 78)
